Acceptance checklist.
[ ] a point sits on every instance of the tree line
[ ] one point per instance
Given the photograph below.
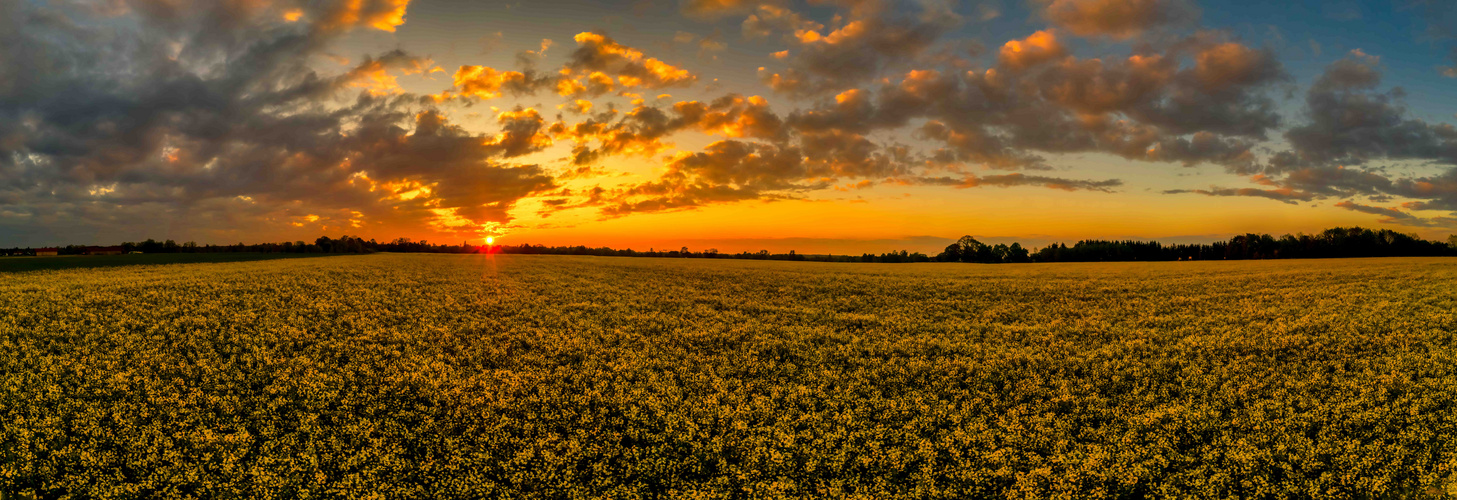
(324, 244)
(406, 245)
(1334, 242)
(1331, 243)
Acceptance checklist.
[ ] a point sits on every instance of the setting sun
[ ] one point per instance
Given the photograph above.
(490, 240)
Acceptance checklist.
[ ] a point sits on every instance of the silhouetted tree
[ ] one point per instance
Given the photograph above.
(952, 253)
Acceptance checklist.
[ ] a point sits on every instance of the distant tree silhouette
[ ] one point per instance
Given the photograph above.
(1017, 254)
(952, 253)
(1334, 242)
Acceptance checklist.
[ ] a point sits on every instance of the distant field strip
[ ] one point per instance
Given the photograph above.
(24, 264)
(467, 376)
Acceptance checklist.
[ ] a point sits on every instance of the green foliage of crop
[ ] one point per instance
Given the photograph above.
(467, 376)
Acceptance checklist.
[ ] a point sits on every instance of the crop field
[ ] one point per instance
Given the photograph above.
(23, 264)
(468, 376)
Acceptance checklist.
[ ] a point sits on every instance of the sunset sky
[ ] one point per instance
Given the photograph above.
(820, 126)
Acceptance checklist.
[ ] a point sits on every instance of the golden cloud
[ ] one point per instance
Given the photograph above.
(1116, 18)
(484, 82)
(1037, 48)
(383, 15)
(596, 53)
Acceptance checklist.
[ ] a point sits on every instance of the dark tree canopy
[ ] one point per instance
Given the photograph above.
(1334, 242)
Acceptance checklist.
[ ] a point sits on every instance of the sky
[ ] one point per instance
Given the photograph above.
(820, 126)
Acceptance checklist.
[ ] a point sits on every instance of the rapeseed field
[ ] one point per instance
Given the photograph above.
(468, 376)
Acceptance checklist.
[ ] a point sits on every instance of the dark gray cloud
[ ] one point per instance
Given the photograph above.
(1280, 194)
(725, 171)
(1333, 181)
(644, 129)
(1395, 216)
(1016, 179)
(1146, 107)
(597, 52)
(876, 35)
(1390, 213)
(1437, 192)
(1351, 122)
(211, 117)
(770, 17)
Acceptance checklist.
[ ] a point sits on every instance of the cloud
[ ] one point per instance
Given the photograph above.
(1336, 180)
(1232, 64)
(1285, 195)
(664, 197)
(522, 133)
(230, 132)
(876, 36)
(1146, 106)
(1017, 179)
(1350, 122)
(598, 53)
(484, 82)
(227, 114)
(578, 106)
(979, 146)
(1037, 48)
(733, 116)
(716, 9)
(768, 19)
(599, 66)
(1438, 192)
(1117, 18)
(594, 84)
(1394, 216)
(1202, 99)
(640, 132)
(742, 164)
(1389, 213)
(376, 74)
(383, 15)
(734, 170)
(643, 131)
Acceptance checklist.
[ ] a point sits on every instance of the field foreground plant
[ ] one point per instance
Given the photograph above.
(439, 376)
